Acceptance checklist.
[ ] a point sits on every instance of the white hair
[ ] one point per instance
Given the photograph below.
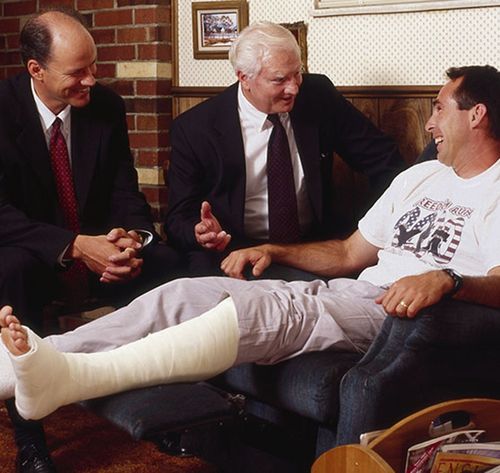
(254, 44)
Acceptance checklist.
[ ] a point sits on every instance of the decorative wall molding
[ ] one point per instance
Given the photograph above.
(365, 7)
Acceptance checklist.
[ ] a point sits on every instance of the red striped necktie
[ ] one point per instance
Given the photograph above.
(76, 277)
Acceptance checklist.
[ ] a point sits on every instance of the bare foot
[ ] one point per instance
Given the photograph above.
(14, 336)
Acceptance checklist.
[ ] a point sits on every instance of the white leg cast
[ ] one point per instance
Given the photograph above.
(192, 351)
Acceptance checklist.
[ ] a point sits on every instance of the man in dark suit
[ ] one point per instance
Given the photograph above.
(218, 159)
(46, 250)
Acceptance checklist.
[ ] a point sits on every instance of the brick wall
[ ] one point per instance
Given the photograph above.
(134, 58)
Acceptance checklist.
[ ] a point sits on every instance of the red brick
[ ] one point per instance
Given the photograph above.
(9, 25)
(154, 87)
(19, 8)
(113, 17)
(160, 33)
(94, 4)
(153, 122)
(12, 41)
(55, 3)
(115, 53)
(148, 140)
(104, 36)
(122, 87)
(151, 158)
(131, 122)
(11, 58)
(147, 105)
(106, 70)
(152, 15)
(132, 35)
(161, 52)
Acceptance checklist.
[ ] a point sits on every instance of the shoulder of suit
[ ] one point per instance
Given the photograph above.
(12, 87)
(316, 80)
(208, 109)
(105, 100)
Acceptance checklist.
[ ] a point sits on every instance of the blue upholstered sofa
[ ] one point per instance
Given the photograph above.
(279, 418)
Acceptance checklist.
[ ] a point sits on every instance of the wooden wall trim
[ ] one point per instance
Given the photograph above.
(404, 91)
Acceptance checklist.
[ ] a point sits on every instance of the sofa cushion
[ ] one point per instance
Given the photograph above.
(307, 385)
(146, 412)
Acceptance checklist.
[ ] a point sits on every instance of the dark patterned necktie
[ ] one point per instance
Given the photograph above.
(76, 277)
(283, 215)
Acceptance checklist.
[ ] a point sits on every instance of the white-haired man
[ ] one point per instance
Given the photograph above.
(221, 165)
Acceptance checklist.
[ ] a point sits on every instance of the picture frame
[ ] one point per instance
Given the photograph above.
(215, 26)
(299, 30)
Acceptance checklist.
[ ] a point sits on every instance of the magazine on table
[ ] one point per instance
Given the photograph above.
(367, 437)
(488, 449)
(452, 462)
(421, 456)
(495, 469)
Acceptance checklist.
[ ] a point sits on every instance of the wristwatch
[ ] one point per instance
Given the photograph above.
(458, 281)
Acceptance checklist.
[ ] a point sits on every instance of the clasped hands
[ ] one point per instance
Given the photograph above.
(113, 256)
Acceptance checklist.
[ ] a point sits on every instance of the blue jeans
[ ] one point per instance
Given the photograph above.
(450, 350)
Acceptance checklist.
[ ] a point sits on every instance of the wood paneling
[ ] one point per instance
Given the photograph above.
(404, 119)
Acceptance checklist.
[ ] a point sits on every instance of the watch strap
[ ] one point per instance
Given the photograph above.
(458, 281)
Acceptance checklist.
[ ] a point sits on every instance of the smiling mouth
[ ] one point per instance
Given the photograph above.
(438, 140)
(82, 91)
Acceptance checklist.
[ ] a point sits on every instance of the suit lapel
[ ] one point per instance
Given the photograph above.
(305, 131)
(31, 139)
(230, 141)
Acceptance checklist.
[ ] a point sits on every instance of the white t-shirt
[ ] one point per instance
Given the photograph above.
(430, 218)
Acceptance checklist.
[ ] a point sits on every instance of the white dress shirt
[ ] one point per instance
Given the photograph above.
(47, 118)
(256, 131)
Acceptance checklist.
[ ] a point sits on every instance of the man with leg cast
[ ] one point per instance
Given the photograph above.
(435, 223)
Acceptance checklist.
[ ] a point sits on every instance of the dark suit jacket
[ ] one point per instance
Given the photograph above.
(104, 176)
(208, 162)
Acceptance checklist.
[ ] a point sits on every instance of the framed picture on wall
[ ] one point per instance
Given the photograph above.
(215, 26)
(299, 30)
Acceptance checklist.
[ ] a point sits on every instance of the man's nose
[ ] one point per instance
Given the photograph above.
(89, 79)
(429, 126)
(292, 87)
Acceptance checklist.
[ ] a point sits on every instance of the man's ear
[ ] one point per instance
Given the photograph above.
(35, 69)
(477, 114)
(243, 78)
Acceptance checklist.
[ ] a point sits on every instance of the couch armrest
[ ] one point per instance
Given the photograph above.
(450, 350)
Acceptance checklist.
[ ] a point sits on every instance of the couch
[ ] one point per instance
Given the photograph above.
(280, 418)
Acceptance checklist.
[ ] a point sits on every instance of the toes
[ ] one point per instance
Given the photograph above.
(5, 311)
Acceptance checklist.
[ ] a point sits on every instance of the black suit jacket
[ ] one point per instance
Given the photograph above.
(208, 162)
(103, 172)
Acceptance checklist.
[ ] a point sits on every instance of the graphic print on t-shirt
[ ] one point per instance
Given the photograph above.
(431, 230)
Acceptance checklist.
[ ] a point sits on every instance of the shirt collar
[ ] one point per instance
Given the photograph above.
(47, 117)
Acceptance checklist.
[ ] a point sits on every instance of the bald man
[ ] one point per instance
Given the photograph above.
(49, 248)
